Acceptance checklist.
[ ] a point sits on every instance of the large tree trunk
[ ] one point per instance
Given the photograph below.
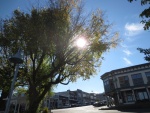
(35, 98)
(2, 101)
(34, 104)
(33, 107)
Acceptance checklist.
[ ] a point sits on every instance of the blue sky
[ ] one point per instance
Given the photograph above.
(126, 21)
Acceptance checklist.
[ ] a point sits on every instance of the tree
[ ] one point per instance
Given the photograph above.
(5, 69)
(48, 39)
(20, 90)
(145, 14)
(146, 53)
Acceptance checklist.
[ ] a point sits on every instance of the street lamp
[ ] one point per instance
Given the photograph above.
(16, 59)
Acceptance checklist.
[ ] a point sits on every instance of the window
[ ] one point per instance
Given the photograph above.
(137, 79)
(142, 95)
(109, 85)
(106, 83)
(124, 81)
(148, 76)
(129, 96)
(106, 86)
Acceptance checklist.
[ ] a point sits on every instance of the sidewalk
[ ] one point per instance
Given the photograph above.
(129, 106)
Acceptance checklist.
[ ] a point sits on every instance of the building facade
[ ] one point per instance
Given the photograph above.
(128, 85)
(19, 103)
(77, 97)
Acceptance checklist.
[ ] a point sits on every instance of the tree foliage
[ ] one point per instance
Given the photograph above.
(6, 69)
(48, 38)
(146, 53)
(145, 14)
(20, 90)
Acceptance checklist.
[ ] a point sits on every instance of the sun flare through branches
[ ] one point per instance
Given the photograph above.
(81, 42)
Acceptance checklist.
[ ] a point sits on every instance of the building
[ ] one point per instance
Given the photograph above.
(128, 85)
(55, 101)
(18, 103)
(58, 100)
(77, 97)
(101, 97)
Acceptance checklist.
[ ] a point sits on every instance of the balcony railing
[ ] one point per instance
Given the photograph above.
(125, 85)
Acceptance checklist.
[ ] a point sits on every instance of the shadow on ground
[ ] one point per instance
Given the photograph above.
(130, 108)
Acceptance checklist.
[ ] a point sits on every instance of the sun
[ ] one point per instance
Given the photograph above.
(81, 42)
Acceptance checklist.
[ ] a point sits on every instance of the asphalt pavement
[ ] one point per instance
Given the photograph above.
(103, 109)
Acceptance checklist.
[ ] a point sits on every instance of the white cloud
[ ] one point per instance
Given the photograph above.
(123, 45)
(127, 61)
(133, 29)
(127, 52)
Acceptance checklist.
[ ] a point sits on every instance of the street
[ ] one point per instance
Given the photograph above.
(91, 109)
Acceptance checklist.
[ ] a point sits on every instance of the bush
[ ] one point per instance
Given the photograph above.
(45, 110)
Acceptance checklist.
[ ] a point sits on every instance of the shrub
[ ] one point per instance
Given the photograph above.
(45, 110)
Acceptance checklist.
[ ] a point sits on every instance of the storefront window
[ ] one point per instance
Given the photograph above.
(145, 95)
(129, 98)
(142, 95)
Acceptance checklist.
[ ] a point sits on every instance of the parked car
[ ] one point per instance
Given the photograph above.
(67, 106)
(74, 105)
(104, 102)
(79, 104)
(98, 104)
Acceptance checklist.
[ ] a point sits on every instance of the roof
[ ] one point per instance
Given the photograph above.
(126, 69)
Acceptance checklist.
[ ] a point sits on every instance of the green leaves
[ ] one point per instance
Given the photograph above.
(145, 14)
(21, 90)
(146, 53)
(48, 36)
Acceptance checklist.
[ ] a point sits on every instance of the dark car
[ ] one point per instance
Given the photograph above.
(73, 105)
(98, 104)
(67, 106)
(79, 104)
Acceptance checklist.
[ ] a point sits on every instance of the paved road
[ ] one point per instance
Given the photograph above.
(91, 109)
